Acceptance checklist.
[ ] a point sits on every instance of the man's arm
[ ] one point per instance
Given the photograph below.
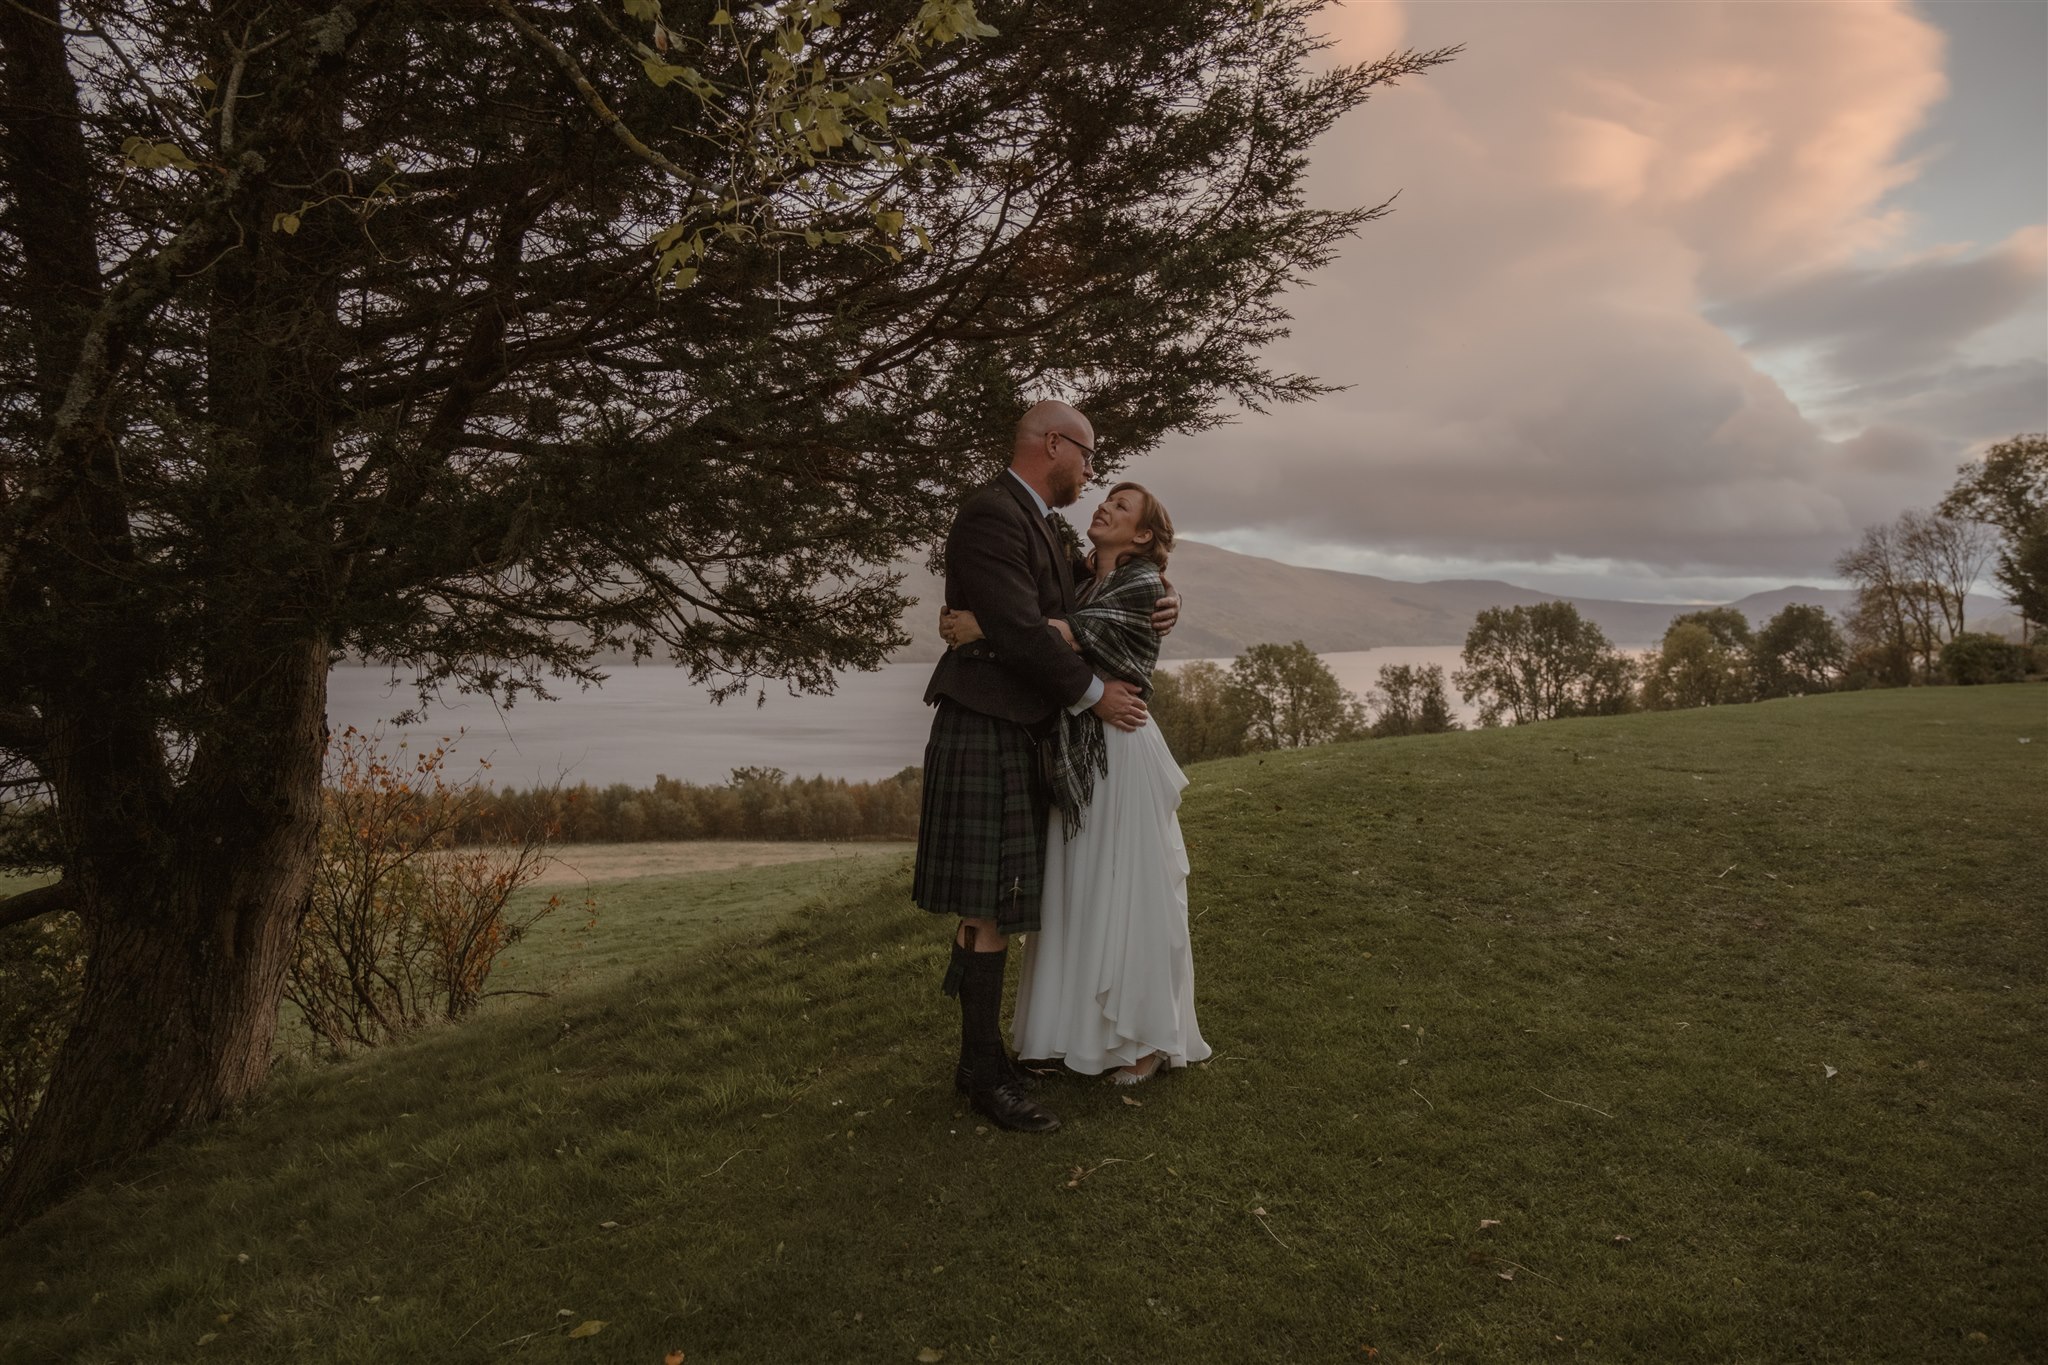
(988, 561)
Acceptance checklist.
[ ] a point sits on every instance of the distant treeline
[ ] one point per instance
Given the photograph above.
(755, 803)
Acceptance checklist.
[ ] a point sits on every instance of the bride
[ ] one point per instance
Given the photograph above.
(1108, 980)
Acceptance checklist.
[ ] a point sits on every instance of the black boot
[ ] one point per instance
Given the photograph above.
(990, 1088)
(963, 1069)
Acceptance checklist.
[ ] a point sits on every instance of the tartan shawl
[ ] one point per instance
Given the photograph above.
(1114, 630)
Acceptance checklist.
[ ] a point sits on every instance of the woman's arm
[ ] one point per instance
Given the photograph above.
(959, 628)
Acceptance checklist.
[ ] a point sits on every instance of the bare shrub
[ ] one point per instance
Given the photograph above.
(405, 926)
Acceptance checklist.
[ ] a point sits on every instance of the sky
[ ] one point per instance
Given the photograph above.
(1676, 297)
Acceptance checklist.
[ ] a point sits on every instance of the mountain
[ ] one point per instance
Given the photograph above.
(1232, 601)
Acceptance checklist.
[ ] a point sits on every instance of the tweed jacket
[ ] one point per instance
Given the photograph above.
(1004, 564)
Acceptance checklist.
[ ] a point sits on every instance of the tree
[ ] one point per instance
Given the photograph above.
(1411, 700)
(1947, 555)
(486, 338)
(1541, 662)
(1198, 713)
(1798, 651)
(1899, 611)
(1974, 658)
(2008, 490)
(1291, 698)
(1703, 661)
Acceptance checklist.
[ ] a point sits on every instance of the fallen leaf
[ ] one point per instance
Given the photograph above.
(608, 1224)
(672, 1358)
(1486, 1223)
(208, 1337)
(1507, 1274)
(1135, 1104)
(565, 1312)
(930, 1356)
(1622, 1239)
(225, 1318)
(587, 1329)
(1260, 1212)
(1828, 1072)
(242, 1257)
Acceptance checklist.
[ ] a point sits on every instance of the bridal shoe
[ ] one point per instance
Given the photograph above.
(1127, 1075)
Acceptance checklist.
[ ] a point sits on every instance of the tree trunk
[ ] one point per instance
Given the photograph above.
(188, 952)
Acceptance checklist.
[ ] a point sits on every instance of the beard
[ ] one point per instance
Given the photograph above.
(1066, 486)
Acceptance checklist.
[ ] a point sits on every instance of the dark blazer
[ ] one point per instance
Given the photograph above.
(1004, 564)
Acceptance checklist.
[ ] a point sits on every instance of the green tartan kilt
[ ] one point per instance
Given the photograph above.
(981, 832)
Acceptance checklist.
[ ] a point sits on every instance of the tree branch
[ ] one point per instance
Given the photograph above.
(43, 900)
(20, 729)
(574, 71)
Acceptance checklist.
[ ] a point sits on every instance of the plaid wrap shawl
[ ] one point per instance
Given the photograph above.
(1114, 630)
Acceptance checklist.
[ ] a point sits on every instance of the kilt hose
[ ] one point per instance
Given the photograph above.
(981, 830)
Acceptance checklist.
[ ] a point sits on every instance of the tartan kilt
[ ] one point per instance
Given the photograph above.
(981, 831)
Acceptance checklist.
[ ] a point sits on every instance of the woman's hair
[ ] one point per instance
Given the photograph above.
(1151, 517)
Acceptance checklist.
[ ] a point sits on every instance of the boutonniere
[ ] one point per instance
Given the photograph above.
(1070, 538)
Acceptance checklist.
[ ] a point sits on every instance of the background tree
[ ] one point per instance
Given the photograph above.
(1541, 662)
(1896, 614)
(2008, 490)
(1411, 699)
(1797, 652)
(1946, 555)
(487, 337)
(1291, 699)
(1704, 660)
(1198, 713)
(1974, 658)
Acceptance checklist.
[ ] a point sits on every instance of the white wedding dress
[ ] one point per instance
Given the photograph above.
(1110, 974)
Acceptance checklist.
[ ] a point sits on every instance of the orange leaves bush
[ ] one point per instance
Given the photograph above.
(405, 926)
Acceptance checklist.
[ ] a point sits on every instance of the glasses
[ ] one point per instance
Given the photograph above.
(1087, 452)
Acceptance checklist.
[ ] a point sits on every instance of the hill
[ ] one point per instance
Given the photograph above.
(1237, 600)
(1700, 1036)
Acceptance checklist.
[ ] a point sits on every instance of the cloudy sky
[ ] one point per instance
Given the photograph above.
(1676, 298)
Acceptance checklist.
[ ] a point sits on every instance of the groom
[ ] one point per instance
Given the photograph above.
(981, 836)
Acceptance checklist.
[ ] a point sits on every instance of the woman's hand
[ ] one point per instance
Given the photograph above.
(1066, 632)
(958, 628)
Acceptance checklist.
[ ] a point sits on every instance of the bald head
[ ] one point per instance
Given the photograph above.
(1051, 450)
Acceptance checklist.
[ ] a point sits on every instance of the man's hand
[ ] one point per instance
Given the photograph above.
(1165, 612)
(1120, 706)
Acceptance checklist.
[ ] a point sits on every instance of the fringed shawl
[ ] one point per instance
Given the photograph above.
(1114, 630)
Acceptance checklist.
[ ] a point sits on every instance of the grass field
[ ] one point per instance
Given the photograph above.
(1709, 1036)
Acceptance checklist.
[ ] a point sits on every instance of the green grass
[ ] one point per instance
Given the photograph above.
(1581, 978)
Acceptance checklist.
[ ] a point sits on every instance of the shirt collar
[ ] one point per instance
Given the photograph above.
(1037, 501)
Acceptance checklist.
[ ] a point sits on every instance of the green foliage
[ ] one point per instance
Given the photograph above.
(1290, 699)
(1411, 700)
(2023, 570)
(1974, 657)
(1726, 626)
(42, 965)
(1798, 652)
(1541, 662)
(757, 803)
(1703, 661)
(1199, 713)
(2008, 489)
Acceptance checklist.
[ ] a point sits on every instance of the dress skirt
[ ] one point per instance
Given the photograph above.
(1110, 974)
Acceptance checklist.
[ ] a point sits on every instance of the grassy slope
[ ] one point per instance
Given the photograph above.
(1670, 924)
